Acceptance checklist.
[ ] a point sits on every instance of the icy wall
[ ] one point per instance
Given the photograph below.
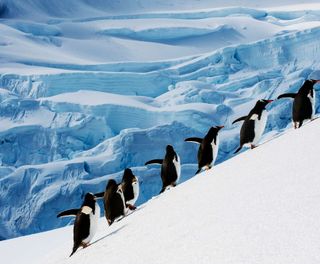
(66, 128)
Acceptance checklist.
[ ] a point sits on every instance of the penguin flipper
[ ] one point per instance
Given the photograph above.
(70, 212)
(99, 195)
(194, 140)
(242, 118)
(291, 95)
(154, 161)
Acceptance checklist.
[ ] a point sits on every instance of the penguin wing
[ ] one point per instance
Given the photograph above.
(291, 95)
(242, 118)
(99, 195)
(194, 140)
(70, 212)
(154, 161)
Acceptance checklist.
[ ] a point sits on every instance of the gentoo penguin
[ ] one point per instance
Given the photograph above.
(114, 203)
(303, 104)
(85, 225)
(170, 168)
(130, 188)
(253, 125)
(208, 149)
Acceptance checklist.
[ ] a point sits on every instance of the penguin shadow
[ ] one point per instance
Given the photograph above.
(107, 235)
(286, 131)
(118, 229)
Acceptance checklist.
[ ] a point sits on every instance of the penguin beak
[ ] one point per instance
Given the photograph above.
(269, 101)
(220, 127)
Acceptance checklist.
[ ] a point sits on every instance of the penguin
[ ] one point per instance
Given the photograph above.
(130, 188)
(208, 149)
(170, 168)
(303, 104)
(114, 202)
(85, 224)
(253, 125)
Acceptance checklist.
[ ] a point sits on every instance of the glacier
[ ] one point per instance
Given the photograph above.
(85, 95)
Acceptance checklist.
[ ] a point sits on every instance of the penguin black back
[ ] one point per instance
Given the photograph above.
(169, 173)
(81, 228)
(127, 180)
(303, 104)
(206, 151)
(253, 125)
(302, 108)
(113, 201)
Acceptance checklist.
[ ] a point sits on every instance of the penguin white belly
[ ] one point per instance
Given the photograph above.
(119, 191)
(177, 165)
(135, 186)
(93, 223)
(215, 148)
(313, 103)
(259, 126)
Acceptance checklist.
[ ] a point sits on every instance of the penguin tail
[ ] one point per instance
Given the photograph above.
(76, 245)
(73, 250)
(238, 149)
(198, 171)
(300, 124)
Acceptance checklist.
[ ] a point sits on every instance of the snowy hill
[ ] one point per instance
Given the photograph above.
(261, 206)
(90, 88)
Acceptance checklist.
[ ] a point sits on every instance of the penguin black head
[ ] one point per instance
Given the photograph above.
(111, 185)
(89, 197)
(314, 81)
(89, 200)
(170, 153)
(261, 104)
(128, 176)
(169, 149)
(307, 87)
(212, 133)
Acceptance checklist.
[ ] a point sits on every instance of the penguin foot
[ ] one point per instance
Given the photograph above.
(84, 245)
(253, 146)
(109, 222)
(207, 167)
(131, 207)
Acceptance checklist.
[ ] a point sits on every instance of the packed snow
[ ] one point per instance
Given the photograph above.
(90, 88)
(261, 206)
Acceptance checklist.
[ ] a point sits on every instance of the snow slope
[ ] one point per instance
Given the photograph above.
(91, 88)
(261, 206)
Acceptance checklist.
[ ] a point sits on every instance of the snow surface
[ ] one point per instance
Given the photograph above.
(90, 88)
(261, 206)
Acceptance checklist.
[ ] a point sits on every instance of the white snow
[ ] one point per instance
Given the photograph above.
(92, 87)
(259, 207)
